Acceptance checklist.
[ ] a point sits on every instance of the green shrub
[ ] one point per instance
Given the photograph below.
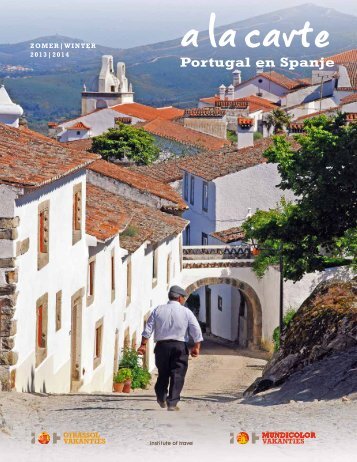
(122, 375)
(130, 358)
(286, 320)
(140, 377)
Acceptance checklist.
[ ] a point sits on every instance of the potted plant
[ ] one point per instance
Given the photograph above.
(140, 376)
(122, 379)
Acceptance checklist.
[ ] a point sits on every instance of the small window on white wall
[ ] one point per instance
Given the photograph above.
(188, 235)
(220, 303)
(205, 196)
(192, 191)
(185, 187)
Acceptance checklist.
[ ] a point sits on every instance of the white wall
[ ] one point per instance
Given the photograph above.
(65, 271)
(200, 220)
(98, 121)
(269, 90)
(253, 188)
(307, 94)
(145, 296)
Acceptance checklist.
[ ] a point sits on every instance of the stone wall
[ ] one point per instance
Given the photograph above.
(214, 127)
(8, 295)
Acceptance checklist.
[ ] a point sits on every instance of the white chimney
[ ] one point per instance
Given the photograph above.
(222, 92)
(230, 93)
(237, 77)
(260, 70)
(245, 132)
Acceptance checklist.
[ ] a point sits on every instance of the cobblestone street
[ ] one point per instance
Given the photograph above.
(134, 426)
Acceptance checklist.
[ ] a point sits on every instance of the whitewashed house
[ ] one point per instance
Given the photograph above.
(83, 261)
(222, 190)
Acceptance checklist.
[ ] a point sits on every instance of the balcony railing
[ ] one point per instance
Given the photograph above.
(217, 252)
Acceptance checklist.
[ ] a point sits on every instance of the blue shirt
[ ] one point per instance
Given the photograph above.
(173, 322)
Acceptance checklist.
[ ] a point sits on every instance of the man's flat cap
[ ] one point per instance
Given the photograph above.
(177, 290)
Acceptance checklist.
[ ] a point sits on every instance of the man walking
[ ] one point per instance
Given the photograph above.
(172, 324)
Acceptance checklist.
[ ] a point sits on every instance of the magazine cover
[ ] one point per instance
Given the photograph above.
(178, 230)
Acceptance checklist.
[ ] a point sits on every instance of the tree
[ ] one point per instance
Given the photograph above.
(126, 141)
(279, 119)
(322, 173)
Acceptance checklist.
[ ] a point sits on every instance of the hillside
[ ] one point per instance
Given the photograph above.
(51, 89)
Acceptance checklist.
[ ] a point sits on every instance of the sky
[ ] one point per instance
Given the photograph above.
(128, 23)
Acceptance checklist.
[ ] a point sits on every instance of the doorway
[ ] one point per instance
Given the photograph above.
(76, 347)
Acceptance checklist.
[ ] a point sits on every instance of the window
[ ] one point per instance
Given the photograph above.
(192, 191)
(188, 234)
(181, 253)
(204, 239)
(58, 310)
(128, 282)
(41, 329)
(112, 88)
(220, 303)
(133, 341)
(77, 214)
(91, 281)
(205, 196)
(98, 341)
(155, 261)
(78, 133)
(43, 234)
(185, 187)
(168, 270)
(112, 271)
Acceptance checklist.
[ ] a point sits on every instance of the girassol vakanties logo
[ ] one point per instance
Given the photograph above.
(272, 437)
(68, 438)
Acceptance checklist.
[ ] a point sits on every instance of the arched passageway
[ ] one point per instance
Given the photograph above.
(254, 310)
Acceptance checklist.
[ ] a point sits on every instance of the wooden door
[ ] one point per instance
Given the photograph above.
(76, 335)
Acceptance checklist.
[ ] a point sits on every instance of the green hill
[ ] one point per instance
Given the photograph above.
(51, 89)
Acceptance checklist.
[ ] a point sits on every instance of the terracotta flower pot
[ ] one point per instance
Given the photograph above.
(127, 386)
(118, 387)
(255, 251)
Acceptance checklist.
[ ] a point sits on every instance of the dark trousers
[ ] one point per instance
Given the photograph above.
(171, 359)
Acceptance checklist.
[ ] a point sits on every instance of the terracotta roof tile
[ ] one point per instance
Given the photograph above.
(109, 214)
(79, 126)
(148, 112)
(255, 103)
(229, 235)
(148, 224)
(139, 181)
(204, 112)
(168, 171)
(184, 135)
(105, 216)
(349, 60)
(349, 99)
(79, 145)
(213, 165)
(282, 80)
(30, 159)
